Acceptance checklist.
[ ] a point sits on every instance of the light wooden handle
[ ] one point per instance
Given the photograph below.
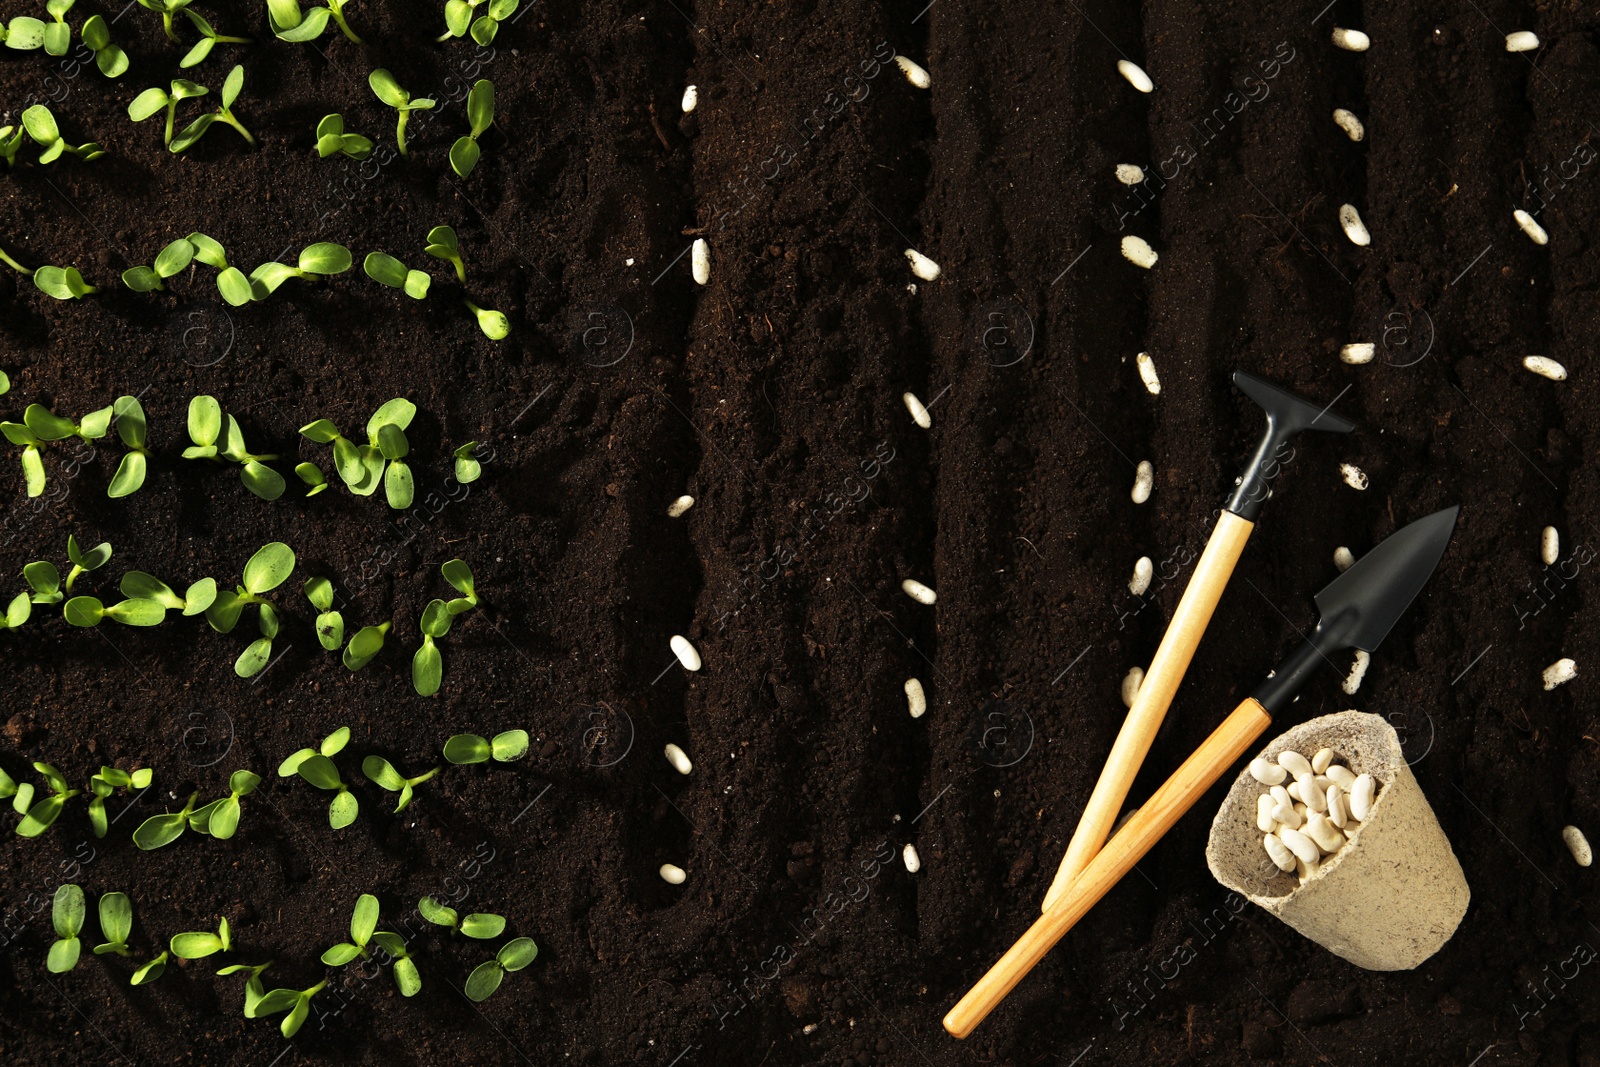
(1158, 814)
(1167, 668)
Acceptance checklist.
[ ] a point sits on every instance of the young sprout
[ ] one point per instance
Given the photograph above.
(468, 469)
(137, 585)
(458, 19)
(312, 475)
(388, 90)
(494, 324)
(198, 944)
(209, 39)
(367, 642)
(169, 261)
(112, 61)
(17, 612)
(318, 260)
(57, 34)
(480, 115)
(84, 562)
(267, 569)
(459, 575)
(45, 581)
(216, 436)
(442, 244)
(104, 784)
(42, 815)
(224, 114)
(40, 426)
(254, 991)
(63, 283)
(220, 818)
(25, 34)
(87, 611)
(160, 830)
(289, 24)
(382, 772)
(479, 925)
(399, 486)
(470, 748)
(389, 271)
(427, 666)
(487, 976)
(116, 923)
(320, 772)
(361, 467)
(296, 1002)
(7, 260)
(406, 978)
(331, 138)
(330, 624)
(152, 101)
(66, 914)
(41, 126)
(150, 971)
(130, 420)
(168, 8)
(363, 922)
(10, 145)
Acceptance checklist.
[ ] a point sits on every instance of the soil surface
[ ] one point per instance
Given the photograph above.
(773, 396)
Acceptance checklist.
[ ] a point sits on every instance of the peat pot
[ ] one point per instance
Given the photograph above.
(1387, 900)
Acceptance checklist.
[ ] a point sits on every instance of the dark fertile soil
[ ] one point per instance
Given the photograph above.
(772, 395)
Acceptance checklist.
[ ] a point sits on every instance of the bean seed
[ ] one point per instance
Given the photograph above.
(1280, 795)
(1343, 777)
(1143, 570)
(1294, 763)
(1294, 791)
(1357, 354)
(1560, 672)
(1362, 795)
(1549, 545)
(672, 874)
(691, 98)
(918, 592)
(1147, 373)
(1285, 816)
(1135, 75)
(1267, 773)
(1522, 41)
(1128, 174)
(700, 261)
(1303, 870)
(1264, 820)
(919, 412)
(1302, 846)
(912, 860)
(914, 74)
(1353, 476)
(1343, 558)
(1351, 40)
(922, 266)
(1324, 833)
(1279, 852)
(1578, 845)
(1358, 671)
(1354, 228)
(1348, 122)
(1338, 807)
(1531, 227)
(1137, 250)
(916, 698)
(685, 652)
(679, 506)
(1546, 367)
(1314, 797)
(1322, 761)
(1130, 685)
(1144, 478)
(678, 758)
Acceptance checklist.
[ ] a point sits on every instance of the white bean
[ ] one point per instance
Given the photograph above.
(672, 874)
(1267, 773)
(1303, 870)
(685, 652)
(1324, 833)
(918, 592)
(1351, 40)
(1279, 852)
(1280, 795)
(691, 99)
(1357, 354)
(1295, 793)
(1302, 846)
(1286, 817)
(1322, 761)
(1354, 228)
(1522, 41)
(1294, 763)
(1546, 367)
(914, 74)
(1137, 250)
(1343, 777)
(912, 860)
(1531, 227)
(1362, 795)
(1549, 545)
(1343, 558)
(1135, 75)
(1130, 685)
(1264, 820)
(1358, 671)
(1353, 476)
(678, 758)
(1560, 672)
(921, 265)
(916, 699)
(700, 261)
(1338, 807)
(1147, 373)
(1348, 122)
(679, 506)
(1311, 793)
(1128, 174)
(1143, 570)
(919, 411)
(1578, 845)
(1144, 477)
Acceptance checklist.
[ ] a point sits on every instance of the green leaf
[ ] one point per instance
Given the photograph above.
(320, 592)
(139, 585)
(271, 1003)
(224, 612)
(44, 578)
(150, 971)
(84, 611)
(97, 815)
(325, 257)
(96, 34)
(63, 284)
(25, 34)
(262, 480)
(131, 424)
(382, 772)
(137, 613)
(484, 30)
(330, 126)
(310, 28)
(192, 132)
(195, 945)
(417, 284)
(94, 559)
(457, 17)
(436, 619)
(142, 279)
(330, 630)
(397, 412)
(367, 642)
(112, 61)
(334, 743)
(67, 911)
(41, 816)
(225, 819)
(33, 470)
(320, 772)
(23, 799)
(141, 778)
(200, 818)
(340, 954)
(283, 14)
(57, 38)
(265, 279)
(41, 124)
(464, 156)
(466, 748)
(406, 978)
(494, 324)
(517, 954)
(509, 746)
(184, 89)
(311, 475)
(385, 269)
(255, 656)
(17, 613)
(234, 286)
(96, 424)
(387, 89)
(468, 469)
(116, 917)
(483, 926)
(173, 258)
(205, 420)
(399, 486)
(427, 669)
(365, 919)
(196, 55)
(355, 146)
(342, 812)
(500, 10)
(296, 1018)
(243, 783)
(269, 568)
(291, 764)
(199, 596)
(148, 104)
(64, 955)
(207, 250)
(436, 913)
(160, 830)
(321, 431)
(231, 87)
(459, 575)
(480, 107)
(484, 980)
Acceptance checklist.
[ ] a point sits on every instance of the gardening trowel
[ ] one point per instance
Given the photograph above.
(1357, 611)
(1287, 415)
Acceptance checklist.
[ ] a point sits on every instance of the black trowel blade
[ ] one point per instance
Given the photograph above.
(1362, 605)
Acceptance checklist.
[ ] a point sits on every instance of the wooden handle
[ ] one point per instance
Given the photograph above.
(1171, 660)
(1158, 814)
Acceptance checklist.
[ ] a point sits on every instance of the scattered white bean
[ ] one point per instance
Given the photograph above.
(1545, 367)
(691, 98)
(1347, 121)
(1522, 41)
(1137, 250)
(1322, 761)
(1351, 40)
(1130, 685)
(678, 758)
(918, 592)
(1147, 373)
(1294, 791)
(1264, 820)
(1129, 174)
(916, 699)
(1302, 846)
(1358, 671)
(1135, 75)
(1549, 545)
(1354, 228)
(685, 652)
(1560, 672)
(1294, 763)
(1267, 773)
(1324, 833)
(700, 261)
(1531, 227)
(1311, 793)
(1353, 476)
(1578, 845)
(1343, 777)
(1286, 817)
(912, 860)
(1279, 852)
(1362, 794)
(1359, 353)
(679, 506)
(1338, 806)
(1343, 558)
(672, 874)
(1280, 795)
(919, 412)
(914, 74)
(1143, 570)
(1143, 479)
(921, 265)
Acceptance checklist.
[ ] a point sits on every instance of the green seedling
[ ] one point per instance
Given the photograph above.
(150, 971)
(480, 116)
(224, 114)
(258, 653)
(480, 925)
(42, 815)
(382, 772)
(112, 61)
(217, 436)
(25, 34)
(442, 244)
(494, 324)
(290, 24)
(367, 642)
(88, 611)
(459, 20)
(399, 485)
(57, 34)
(129, 416)
(84, 562)
(470, 748)
(388, 90)
(45, 580)
(116, 923)
(170, 260)
(363, 922)
(40, 426)
(17, 612)
(41, 126)
(66, 914)
(10, 145)
(105, 783)
(209, 39)
(138, 585)
(459, 575)
(362, 467)
(63, 283)
(208, 250)
(198, 944)
(254, 991)
(220, 818)
(487, 976)
(406, 978)
(468, 469)
(389, 271)
(331, 139)
(5, 379)
(427, 666)
(312, 475)
(329, 746)
(167, 8)
(320, 772)
(269, 568)
(330, 624)
(160, 830)
(8, 785)
(296, 1002)
(153, 101)
(319, 260)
